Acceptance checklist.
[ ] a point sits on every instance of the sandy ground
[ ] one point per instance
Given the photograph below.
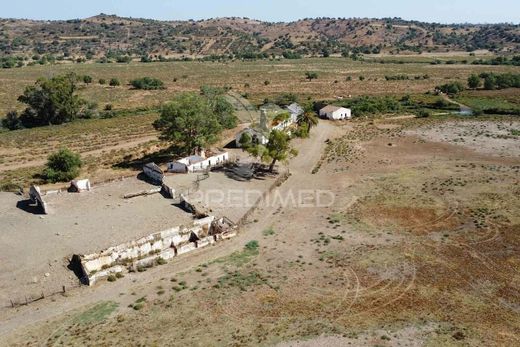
(482, 136)
(418, 248)
(33, 245)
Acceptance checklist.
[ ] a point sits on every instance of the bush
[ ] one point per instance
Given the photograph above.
(423, 113)
(11, 121)
(87, 79)
(147, 83)
(474, 81)
(111, 278)
(451, 88)
(102, 81)
(114, 82)
(62, 166)
(252, 245)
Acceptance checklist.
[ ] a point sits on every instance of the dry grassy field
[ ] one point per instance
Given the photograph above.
(420, 247)
(284, 76)
(105, 142)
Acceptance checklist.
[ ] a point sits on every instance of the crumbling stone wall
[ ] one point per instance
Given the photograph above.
(147, 251)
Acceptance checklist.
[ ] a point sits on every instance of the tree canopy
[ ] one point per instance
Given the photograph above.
(189, 121)
(277, 149)
(222, 108)
(52, 101)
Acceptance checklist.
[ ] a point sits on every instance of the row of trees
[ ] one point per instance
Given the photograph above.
(494, 81)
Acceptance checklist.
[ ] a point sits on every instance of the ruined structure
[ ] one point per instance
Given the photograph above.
(155, 248)
(153, 172)
(36, 198)
(78, 186)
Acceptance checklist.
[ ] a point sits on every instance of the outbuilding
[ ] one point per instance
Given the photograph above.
(335, 112)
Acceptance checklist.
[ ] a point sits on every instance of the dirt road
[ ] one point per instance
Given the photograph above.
(309, 153)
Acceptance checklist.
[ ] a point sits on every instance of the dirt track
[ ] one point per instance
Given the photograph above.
(418, 248)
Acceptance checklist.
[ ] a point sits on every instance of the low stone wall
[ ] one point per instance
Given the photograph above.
(147, 251)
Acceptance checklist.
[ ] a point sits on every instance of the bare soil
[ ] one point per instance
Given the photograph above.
(419, 247)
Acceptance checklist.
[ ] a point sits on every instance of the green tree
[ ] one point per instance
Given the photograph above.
(222, 108)
(114, 82)
(474, 81)
(277, 149)
(311, 75)
(189, 121)
(102, 81)
(51, 101)
(11, 121)
(62, 166)
(87, 79)
(490, 82)
(308, 118)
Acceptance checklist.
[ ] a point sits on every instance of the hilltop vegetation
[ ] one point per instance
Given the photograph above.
(106, 38)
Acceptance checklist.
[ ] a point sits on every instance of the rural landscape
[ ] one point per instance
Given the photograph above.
(237, 182)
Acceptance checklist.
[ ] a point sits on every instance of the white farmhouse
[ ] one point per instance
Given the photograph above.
(195, 163)
(335, 113)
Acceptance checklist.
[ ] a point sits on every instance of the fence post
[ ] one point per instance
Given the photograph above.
(63, 288)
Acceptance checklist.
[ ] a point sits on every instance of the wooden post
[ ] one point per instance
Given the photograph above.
(63, 288)
(12, 303)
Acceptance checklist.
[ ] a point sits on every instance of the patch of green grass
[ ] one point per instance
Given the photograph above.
(241, 280)
(268, 232)
(242, 257)
(97, 313)
(487, 103)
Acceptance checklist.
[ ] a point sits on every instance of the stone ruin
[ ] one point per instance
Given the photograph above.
(78, 186)
(37, 198)
(148, 251)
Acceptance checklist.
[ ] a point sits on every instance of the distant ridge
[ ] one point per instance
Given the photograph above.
(99, 35)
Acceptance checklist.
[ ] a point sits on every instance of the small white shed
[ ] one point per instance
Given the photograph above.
(335, 112)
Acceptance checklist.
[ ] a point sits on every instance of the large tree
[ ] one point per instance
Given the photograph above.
(277, 149)
(223, 109)
(51, 101)
(189, 121)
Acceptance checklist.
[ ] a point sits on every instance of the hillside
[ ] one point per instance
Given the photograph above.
(110, 37)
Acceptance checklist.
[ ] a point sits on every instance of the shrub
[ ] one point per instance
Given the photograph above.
(114, 82)
(87, 79)
(111, 278)
(451, 88)
(423, 113)
(474, 81)
(102, 81)
(252, 245)
(11, 121)
(62, 166)
(147, 83)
